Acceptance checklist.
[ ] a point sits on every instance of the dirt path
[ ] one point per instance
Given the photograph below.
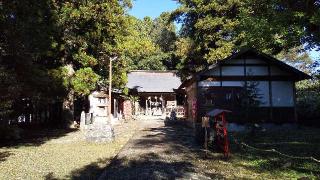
(157, 152)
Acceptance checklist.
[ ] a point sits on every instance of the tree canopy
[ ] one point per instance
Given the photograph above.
(150, 43)
(51, 48)
(213, 30)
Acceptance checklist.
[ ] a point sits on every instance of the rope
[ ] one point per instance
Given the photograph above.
(274, 151)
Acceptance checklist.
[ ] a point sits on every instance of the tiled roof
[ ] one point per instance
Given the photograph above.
(153, 81)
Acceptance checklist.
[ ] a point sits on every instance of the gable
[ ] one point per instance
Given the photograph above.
(246, 65)
(253, 63)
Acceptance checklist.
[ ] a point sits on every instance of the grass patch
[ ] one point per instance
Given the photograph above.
(66, 157)
(253, 164)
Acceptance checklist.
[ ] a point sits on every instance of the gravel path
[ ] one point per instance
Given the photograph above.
(157, 152)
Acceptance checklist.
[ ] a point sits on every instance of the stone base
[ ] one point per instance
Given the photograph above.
(100, 131)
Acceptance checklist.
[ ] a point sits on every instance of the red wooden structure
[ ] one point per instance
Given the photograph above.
(220, 129)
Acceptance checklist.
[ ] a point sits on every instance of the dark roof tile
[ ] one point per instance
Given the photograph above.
(153, 81)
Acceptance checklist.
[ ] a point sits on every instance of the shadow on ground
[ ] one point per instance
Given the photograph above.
(164, 152)
(91, 171)
(4, 155)
(36, 136)
(159, 153)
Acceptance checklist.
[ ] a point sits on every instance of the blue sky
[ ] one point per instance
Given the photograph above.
(154, 8)
(315, 55)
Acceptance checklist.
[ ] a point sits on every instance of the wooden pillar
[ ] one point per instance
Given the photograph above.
(270, 94)
(245, 86)
(197, 99)
(220, 69)
(295, 102)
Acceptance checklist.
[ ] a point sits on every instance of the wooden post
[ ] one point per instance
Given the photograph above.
(220, 74)
(110, 85)
(245, 86)
(110, 88)
(270, 94)
(295, 102)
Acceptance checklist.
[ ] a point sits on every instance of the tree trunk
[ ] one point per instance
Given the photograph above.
(68, 102)
(68, 108)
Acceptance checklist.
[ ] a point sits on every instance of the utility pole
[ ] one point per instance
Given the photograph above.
(110, 86)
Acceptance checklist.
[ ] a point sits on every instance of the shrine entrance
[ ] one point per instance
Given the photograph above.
(155, 104)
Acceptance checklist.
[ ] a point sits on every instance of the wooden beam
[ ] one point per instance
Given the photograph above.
(247, 78)
(264, 65)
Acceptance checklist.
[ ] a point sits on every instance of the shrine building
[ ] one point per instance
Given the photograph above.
(156, 91)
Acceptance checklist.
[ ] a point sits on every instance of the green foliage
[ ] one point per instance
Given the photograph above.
(59, 81)
(84, 59)
(208, 32)
(8, 91)
(150, 44)
(163, 32)
(298, 58)
(250, 99)
(93, 31)
(308, 101)
(51, 48)
(211, 24)
(218, 29)
(280, 23)
(252, 96)
(84, 81)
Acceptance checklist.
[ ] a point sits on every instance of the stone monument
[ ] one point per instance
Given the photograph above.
(98, 129)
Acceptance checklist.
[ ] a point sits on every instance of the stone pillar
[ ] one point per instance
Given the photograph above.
(82, 120)
(146, 108)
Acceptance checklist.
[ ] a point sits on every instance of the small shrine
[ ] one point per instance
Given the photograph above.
(95, 124)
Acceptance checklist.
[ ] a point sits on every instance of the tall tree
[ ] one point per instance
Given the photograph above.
(281, 23)
(164, 35)
(150, 43)
(298, 58)
(216, 29)
(211, 26)
(27, 31)
(59, 49)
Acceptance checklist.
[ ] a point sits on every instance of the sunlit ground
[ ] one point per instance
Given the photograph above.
(66, 157)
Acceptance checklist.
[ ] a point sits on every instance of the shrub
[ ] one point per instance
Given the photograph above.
(10, 132)
(308, 102)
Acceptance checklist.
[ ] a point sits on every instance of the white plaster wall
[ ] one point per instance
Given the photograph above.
(282, 94)
(232, 83)
(224, 83)
(257, 70)
(208, 83)
(232, 71)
